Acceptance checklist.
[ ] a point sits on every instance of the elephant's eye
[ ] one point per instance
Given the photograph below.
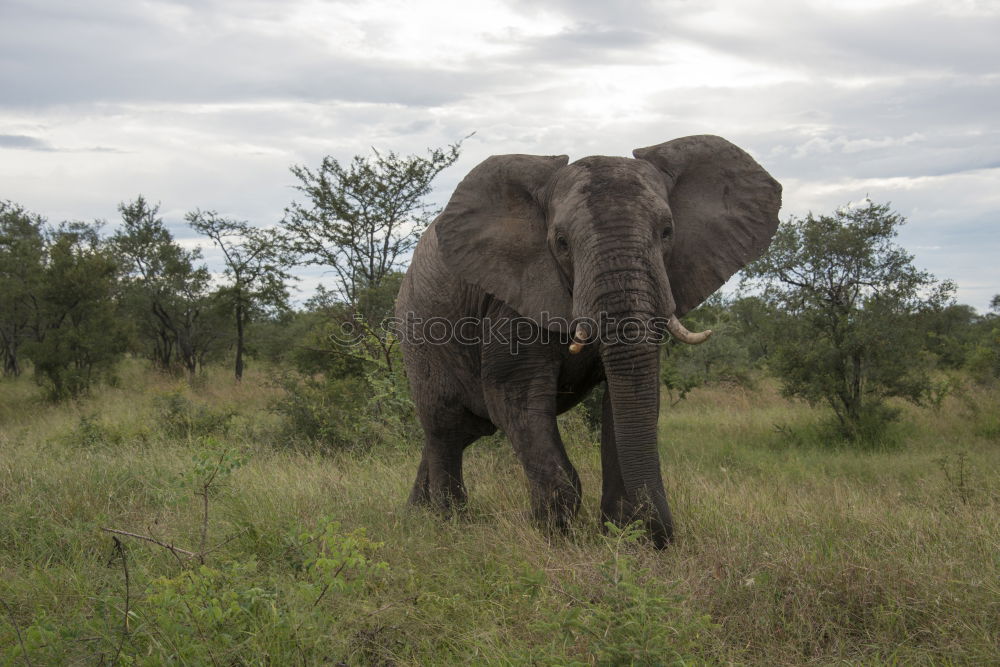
(562, 243)
(667, 232)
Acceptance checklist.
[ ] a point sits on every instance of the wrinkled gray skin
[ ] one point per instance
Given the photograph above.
(525, 234)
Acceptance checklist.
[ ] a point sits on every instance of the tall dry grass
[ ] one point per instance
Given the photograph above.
(791, 548)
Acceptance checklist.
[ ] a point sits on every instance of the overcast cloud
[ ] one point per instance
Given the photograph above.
(206, 104)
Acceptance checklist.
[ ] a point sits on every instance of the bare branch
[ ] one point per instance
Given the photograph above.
(120, 550)
(169, 547)
(17, 631)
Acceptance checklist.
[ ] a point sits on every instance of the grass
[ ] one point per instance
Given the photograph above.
(790, 549)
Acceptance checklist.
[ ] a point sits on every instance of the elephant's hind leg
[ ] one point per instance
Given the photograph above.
(439, 481)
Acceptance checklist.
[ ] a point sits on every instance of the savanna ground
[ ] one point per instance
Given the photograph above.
(788, 550)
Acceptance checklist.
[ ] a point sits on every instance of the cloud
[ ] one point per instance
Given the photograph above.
(866, 41)
(206, 104)
(583, 44)
(166, 52)
(24, 142)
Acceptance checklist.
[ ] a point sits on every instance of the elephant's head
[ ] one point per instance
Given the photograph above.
(609, 238)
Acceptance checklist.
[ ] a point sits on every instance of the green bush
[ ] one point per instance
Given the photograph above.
(179, 416)
(91, 431)
(848, 303)
(320, 410)
(358, 412)
(983, 362)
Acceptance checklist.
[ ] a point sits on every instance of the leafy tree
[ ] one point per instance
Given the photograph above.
(22, 254)
(360, 219)
(77, 336)
(754, 319)
(165, 292)
(983, 359)
(846, 298)
(724, 358)
(363, 218)
(950, 332)
(256, 267)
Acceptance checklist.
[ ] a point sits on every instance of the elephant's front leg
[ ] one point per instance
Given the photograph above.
(521, 396)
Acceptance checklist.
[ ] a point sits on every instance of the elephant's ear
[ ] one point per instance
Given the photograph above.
(725, 209)
(492, 234)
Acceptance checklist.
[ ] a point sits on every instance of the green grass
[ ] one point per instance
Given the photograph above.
(791, 549)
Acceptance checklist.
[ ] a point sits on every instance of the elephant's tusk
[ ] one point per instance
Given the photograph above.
(579, 340)
(678, 331)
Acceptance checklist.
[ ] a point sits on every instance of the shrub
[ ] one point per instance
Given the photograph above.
(363, 411)
(181, 417)
(321, 410)
(234, 613)
(91, 431)
(983, 361)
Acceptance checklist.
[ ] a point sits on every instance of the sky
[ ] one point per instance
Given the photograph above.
(206, 104)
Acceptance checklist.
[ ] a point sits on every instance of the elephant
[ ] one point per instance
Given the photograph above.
(512, 305)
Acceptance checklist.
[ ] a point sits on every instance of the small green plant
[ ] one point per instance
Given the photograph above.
(207, 615)
(322, 411)
(592, 407)
(677, 384)
(233, 612)
(630, 617)
(40, 641)
(335, 561)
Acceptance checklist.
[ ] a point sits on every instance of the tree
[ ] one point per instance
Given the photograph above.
(164, 290)
(754, 319)
(983, 360)
(22, 254)
(362, 219)
(950, 333)
(724, 358)
(846, 299)
(77, 334)
(256, 267)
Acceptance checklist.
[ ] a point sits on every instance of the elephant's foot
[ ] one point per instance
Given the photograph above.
(444, 494)
(555, 503)
(621, 511)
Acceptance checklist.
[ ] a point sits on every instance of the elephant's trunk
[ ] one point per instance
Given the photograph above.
(625, 298)
(632, 371)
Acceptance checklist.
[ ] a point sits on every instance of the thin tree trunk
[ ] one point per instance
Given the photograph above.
(239, 341)
(10, 366)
